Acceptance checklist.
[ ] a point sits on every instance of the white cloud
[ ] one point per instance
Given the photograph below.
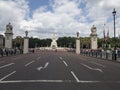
(14, 12)
(68, 7)
(62, 19)
(100, 12)
(66, 17)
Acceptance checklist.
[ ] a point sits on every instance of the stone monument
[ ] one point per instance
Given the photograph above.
(93, 36)
(1, 41)
(8, 36)
(54, 43)
(26, 43)
(77, 44)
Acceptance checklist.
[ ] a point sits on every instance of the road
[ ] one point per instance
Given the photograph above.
(58, 71)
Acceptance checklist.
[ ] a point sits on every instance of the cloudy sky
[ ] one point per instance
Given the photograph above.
(64, 17)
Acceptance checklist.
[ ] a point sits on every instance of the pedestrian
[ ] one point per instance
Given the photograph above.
(33, 50)
(6, 50)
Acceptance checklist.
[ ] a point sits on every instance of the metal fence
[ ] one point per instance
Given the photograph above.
(100, 54)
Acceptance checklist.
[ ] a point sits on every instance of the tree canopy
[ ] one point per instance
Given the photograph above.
(67, 42)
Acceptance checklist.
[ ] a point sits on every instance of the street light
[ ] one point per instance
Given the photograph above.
(115, 54)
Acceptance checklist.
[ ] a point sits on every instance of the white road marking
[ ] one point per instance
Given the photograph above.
(46, 64)
(56, 81)
(7, 75)
(82, 81)
(97, 69)
(7, 65)
(61, 58)
(34, 81)
(77, 80)
(15, 58)
(39, 68)
(98, 64)
(29, 63)
(65, 63)
(38, 58)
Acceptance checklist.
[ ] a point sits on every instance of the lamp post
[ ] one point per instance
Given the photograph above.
(115, 54)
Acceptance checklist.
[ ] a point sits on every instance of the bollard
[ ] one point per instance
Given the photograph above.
(101, 55)
(114, 56)
(106, 55)
(96, 54)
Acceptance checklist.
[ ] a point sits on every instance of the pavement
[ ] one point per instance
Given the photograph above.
(58, 71)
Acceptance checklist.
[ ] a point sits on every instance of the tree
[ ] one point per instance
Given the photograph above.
(85, 42)
(36, 42)
(33, 42)
(66, 42)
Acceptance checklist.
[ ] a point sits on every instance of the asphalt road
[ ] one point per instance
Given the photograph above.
(58, 71)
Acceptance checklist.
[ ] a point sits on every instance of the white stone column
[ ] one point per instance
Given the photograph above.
(8, 40)
(1, 41)
(77, 44)
(26, 45)
(94, 38)
(8, 36)
(94, 43)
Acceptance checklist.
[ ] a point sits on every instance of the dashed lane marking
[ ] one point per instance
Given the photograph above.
(98, 64)
(65, 63)
(76, 78)
(38, 58)
(6, 65)
(61, 58)
(29, 63)
(7, 76)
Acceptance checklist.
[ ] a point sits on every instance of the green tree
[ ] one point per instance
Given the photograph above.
(66, 42)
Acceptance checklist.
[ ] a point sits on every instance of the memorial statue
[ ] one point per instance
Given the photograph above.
(9, 26)
(54, 43)
(8, 35)
(93, 30)
(93, 36)
(26, 33)
(77, 34)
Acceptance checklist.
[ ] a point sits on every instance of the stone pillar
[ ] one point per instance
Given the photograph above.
(26, 43)
(1, 41)
(8, 36)
(77, 44)
(93, 36)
